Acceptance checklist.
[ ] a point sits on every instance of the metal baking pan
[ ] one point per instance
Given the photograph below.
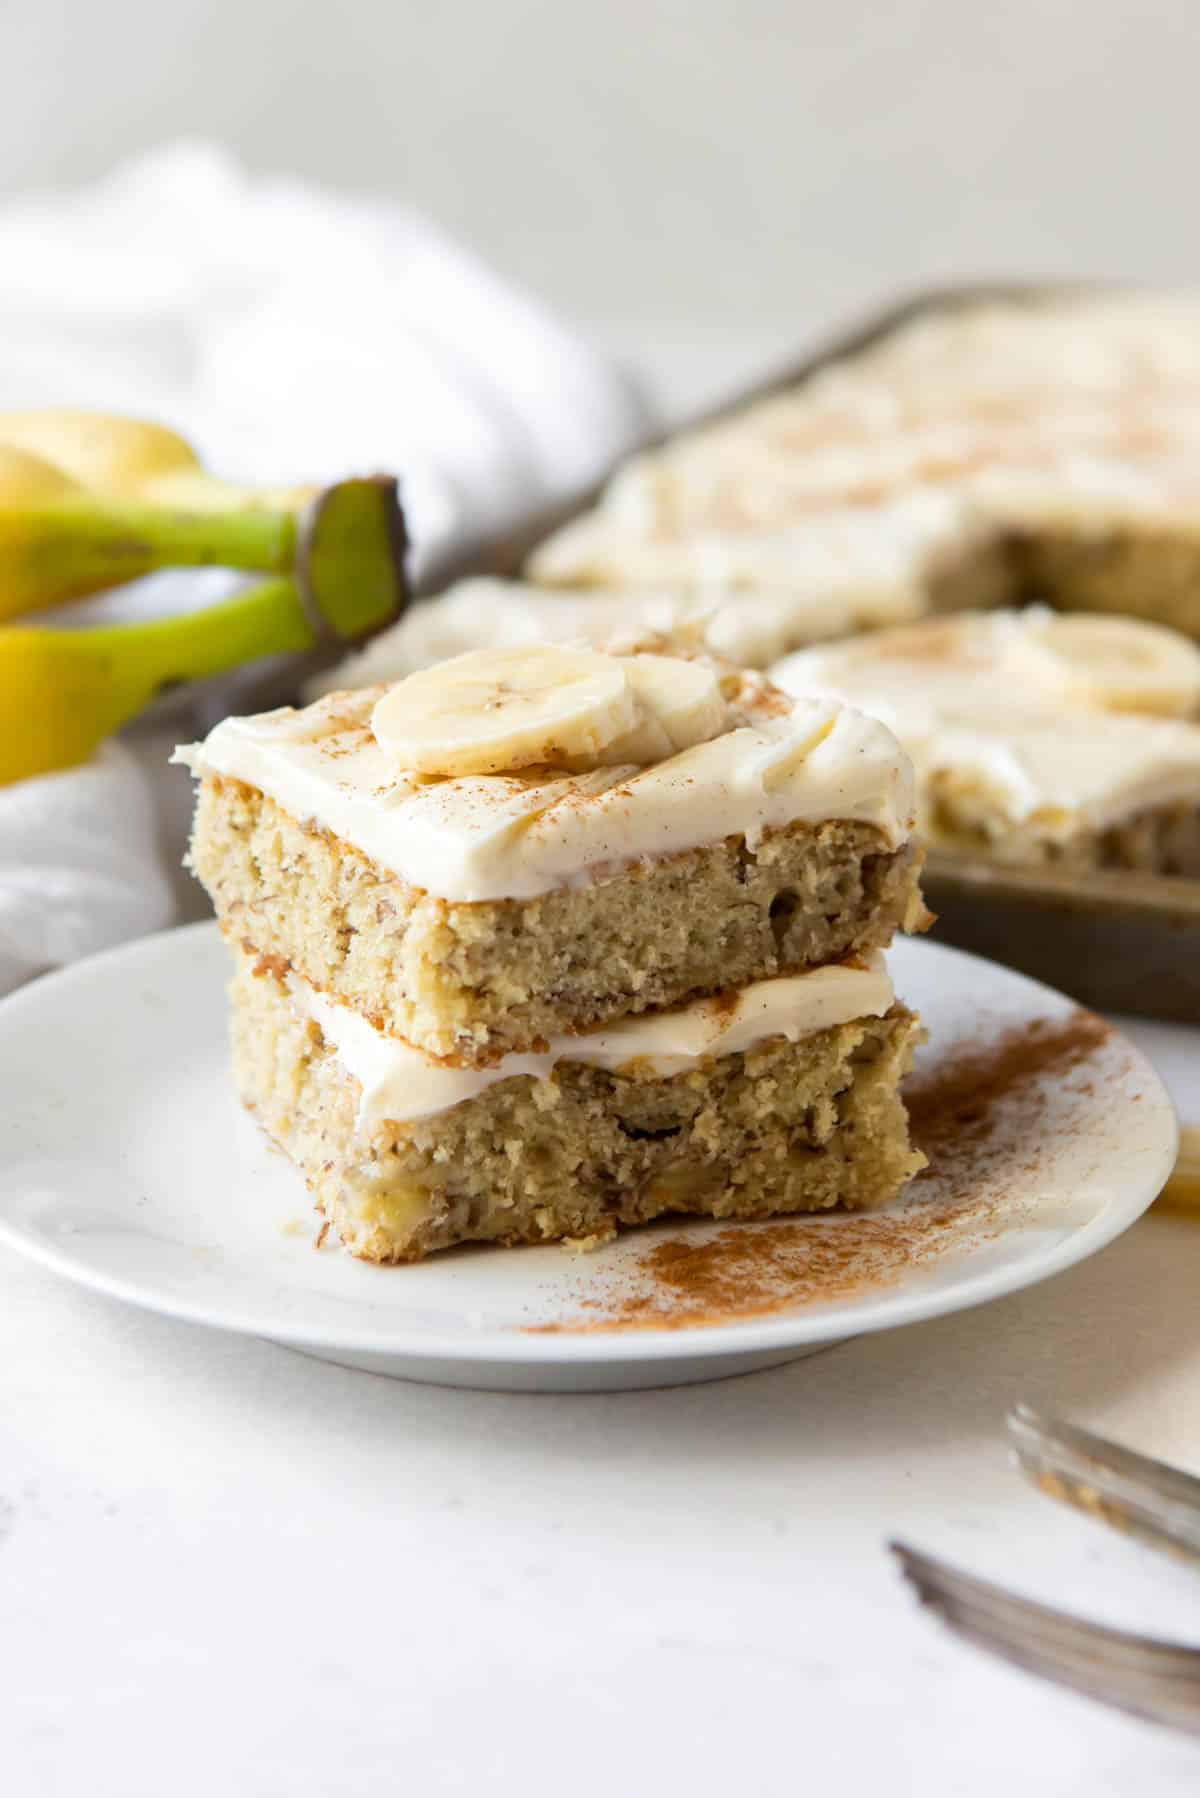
(506, 553)
(1114, 941)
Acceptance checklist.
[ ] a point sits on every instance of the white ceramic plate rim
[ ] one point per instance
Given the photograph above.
(799, 1329)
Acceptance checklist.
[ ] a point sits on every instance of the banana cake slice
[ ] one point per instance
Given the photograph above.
(523, 843)
(1036, 737)
(539, 943)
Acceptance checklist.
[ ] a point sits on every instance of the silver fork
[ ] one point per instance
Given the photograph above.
(1160, 1505)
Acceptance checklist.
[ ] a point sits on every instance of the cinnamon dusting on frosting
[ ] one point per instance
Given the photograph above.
(474, 838)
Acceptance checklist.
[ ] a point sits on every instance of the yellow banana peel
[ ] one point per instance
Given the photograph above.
(107, 453)
(131, 458)
(29, 479)
(56, 550)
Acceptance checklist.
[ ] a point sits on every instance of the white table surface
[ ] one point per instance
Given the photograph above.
(228, 1570)
(225, 1568)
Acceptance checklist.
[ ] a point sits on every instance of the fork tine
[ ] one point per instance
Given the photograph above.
(1149, 1678)
(1171, 1482)
(1144, 1696)
(1042, 1622)
(1130, 1492)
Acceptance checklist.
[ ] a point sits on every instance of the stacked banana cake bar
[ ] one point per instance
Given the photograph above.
(541, 942)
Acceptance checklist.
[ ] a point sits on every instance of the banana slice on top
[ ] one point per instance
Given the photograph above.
(1112, 664)
(679, 703)
(494, 710)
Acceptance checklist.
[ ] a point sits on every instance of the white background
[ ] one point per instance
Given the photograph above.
(700, 169)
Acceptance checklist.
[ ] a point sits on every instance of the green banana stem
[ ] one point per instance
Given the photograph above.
(58, 552)
(350, 563)
(146, 659)
(350, 555)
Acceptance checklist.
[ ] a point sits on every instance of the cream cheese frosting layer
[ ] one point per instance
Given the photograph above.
(400, 1085)
(1032, 659)
(513, 836)
(987, 718)
(1063, 775)
(871, 559)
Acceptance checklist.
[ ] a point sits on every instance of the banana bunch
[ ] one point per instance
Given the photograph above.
(89, 501)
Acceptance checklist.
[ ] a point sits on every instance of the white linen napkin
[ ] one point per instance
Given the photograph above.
(79, 865)
(292, 334)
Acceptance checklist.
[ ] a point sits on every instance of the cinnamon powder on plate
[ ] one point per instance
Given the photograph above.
(955, 1104)
(976, 1114)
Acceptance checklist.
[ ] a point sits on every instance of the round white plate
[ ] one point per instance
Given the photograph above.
(126, 1164)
